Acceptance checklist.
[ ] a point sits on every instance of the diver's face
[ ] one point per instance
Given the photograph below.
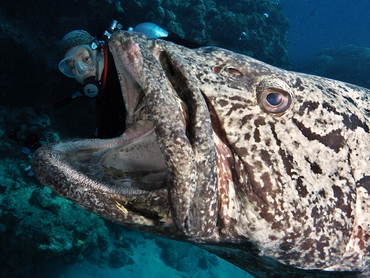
(80, 63)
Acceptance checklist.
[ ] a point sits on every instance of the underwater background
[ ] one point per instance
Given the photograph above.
(44, 235)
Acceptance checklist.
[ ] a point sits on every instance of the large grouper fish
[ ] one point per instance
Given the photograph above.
(268, 169)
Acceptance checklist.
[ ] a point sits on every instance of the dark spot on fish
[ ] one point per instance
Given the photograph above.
(338, 193)
(199, 75)
(349, 99)
(314, 166)
(315, 213)
(319, 87)
(259, 121)
(288, 162)
(334, 93)
(223, 103)
(322, 193)
(286, 246)
(353, 122)
(308, 244)
(237, 98)
(235, 107)
(298, 84)
(269, 217)
(265, 156)
(243, 152)
(333, 140)
(278, 142)
(277, 225)
(320, 121)
(330, 108)
(287, 158)
(272, 237)
(246, 119)
(307, 232)
(321, 244)
(301, 188)
(257, 137)
(268, 142)
(311, 105)
(364, 182)
(343, 88)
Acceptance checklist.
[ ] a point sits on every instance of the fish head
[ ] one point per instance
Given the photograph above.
(223, 150)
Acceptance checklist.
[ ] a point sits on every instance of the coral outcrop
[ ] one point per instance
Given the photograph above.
(37, 227)
(349, 63)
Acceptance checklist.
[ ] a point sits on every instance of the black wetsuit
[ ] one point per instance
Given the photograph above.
(111, 111)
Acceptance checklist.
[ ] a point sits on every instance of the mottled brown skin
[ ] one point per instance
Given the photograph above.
(266, 168)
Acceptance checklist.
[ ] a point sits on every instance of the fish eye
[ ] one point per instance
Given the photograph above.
(275, 96)
(274, 99)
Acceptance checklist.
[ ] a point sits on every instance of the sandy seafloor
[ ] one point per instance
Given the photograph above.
(148, 264)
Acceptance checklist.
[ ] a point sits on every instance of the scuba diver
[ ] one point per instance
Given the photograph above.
(89, 62)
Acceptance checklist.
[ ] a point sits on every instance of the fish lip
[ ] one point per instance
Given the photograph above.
(58, 164)
(105, 199)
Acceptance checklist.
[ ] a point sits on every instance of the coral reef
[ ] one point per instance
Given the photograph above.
(253, 27)
(37, 226)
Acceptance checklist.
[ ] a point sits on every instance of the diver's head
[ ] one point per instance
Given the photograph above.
(82, 58)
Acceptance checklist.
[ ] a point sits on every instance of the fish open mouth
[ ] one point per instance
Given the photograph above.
(165, 161)
(132, 163)
(137, 164)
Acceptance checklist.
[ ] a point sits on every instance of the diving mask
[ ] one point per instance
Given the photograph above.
(78, 61)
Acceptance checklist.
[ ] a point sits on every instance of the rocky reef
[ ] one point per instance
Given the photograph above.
(253, 27)
(37, 227)
(349, 63)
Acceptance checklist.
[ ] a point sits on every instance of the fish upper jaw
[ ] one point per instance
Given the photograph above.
(186, 142)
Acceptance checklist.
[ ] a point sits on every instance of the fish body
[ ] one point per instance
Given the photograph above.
(266, 168)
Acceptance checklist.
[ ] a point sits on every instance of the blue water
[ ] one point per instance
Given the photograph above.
(315, 25)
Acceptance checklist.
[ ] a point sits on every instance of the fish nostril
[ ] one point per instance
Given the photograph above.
(218, 68)
(235, 71)
(224, 68)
